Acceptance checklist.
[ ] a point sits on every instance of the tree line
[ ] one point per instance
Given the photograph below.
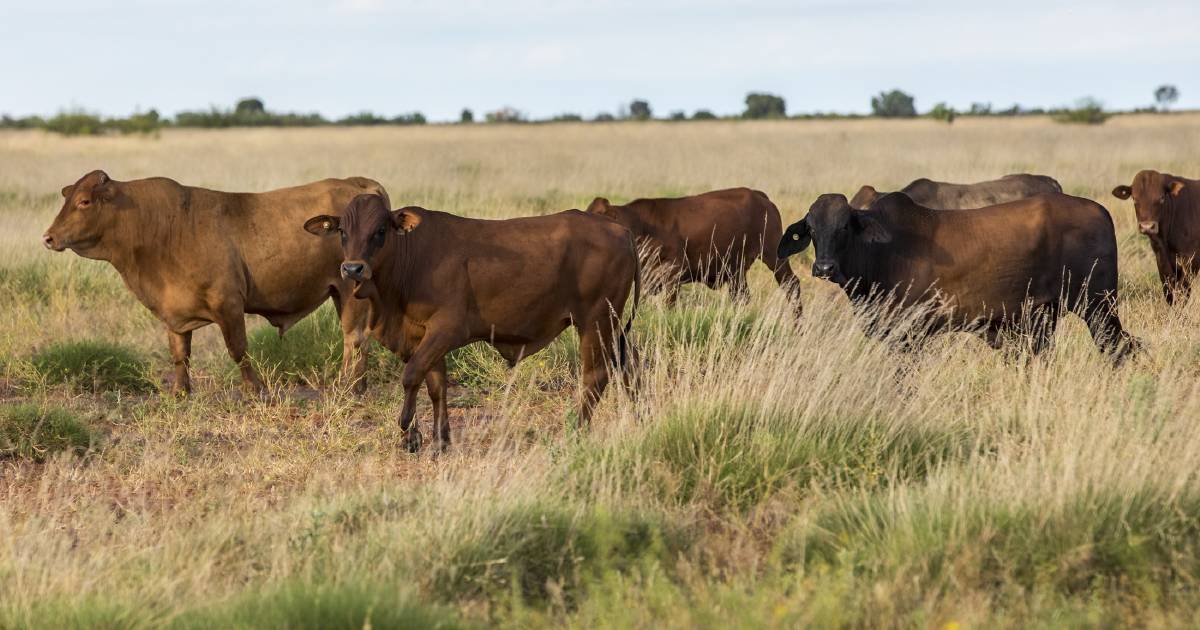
(252, 112)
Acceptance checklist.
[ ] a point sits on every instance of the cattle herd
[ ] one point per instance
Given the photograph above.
(1001, 259)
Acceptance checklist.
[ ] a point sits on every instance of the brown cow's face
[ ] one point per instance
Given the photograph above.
(86, 213)
(1152, 192)
(833, 226)
(368, 231)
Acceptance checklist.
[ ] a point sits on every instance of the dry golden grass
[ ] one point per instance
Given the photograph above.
(768, 474)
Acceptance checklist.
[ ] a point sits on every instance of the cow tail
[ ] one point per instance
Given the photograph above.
(622, 343)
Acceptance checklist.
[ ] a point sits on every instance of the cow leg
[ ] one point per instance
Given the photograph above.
(181, 356)
(1107, 332)
(595, 347)
(786, 279)
(429, 353)
(435, 383)
(353, 316)
(233, 328)
(739, 289)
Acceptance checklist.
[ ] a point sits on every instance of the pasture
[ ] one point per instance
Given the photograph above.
(768, 474)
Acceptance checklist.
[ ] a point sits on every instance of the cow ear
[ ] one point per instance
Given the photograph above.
(872, 230)
(405, 220)
(322, 225)
(798, 237)
(105, 192)
(598, 206)
(66, 191)
(1175, 187)
(1122, 192)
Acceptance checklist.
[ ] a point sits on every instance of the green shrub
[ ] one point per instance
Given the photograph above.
(31, 432)
(75, 123)
(94, 366)
(313, 347)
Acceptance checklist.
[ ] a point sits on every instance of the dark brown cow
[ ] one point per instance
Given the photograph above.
(436, 282)
(711, 238)
(1168, 213)
(945, 196)
(1004, 268)
(195, 256)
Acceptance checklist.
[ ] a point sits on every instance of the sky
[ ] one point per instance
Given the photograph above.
(339, 57)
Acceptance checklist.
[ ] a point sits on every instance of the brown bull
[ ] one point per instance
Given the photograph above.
(1009, 267)
(195, 256)
(1168, 213)
(945, 196)
(711, 238)
(436, 282)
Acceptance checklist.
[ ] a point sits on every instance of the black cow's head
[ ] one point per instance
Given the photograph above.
(87, 212)
(832, 226)
(367, 229)
(1151, 192)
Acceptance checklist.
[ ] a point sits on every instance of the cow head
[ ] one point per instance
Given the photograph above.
(1152, 193)
(832, 226)
(865, 196)
(367, 229)
(87, 212)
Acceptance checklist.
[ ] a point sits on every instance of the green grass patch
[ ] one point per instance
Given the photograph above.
(311, 348)
(538, 552)
(735, 455)
(1141, 546)
(95, 366)
(40, 282)
(298, 605)
(33, 432)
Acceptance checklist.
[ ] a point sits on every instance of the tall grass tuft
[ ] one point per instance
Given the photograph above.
(311, 348)
(33, 432)
(95, 366)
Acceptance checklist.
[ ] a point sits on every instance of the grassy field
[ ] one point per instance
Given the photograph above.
(768, 474)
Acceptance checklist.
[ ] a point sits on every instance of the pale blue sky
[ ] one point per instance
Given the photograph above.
(586, 56)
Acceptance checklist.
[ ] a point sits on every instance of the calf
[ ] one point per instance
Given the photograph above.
(1004, 268)
(1168, 213)
(711, 238)
(436, 282)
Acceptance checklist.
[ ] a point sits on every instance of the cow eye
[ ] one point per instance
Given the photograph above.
(83, 203)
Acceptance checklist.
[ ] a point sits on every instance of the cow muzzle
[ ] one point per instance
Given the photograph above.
(1149, 228)
(823, 269)
(52, 244)
(356, 270)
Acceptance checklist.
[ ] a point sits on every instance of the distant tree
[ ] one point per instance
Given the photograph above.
(894, 104)
(762, 105)
(1015, 110)
(1166, 95)
(411, 118)
(944, 112)
(249, 107)
(980, 109)
(604, 117)
(1087, 111)
(640, 110)
(466, 117)
(679, 115)
(703, 114)
(567, 117)
(505, 115)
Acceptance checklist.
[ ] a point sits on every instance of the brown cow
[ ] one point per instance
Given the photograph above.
(1168, 213)
(436, 282)
(195, 256)
(1009, 267)
(711, 238)
(944, 196)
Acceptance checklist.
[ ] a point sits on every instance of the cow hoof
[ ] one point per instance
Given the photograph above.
(412, 441)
